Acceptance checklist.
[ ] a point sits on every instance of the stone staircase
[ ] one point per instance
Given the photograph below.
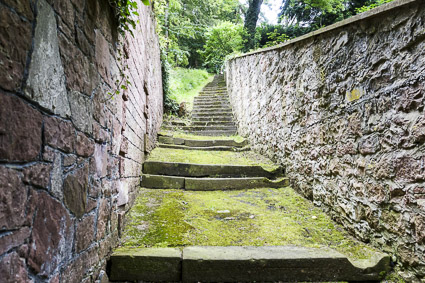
(210, 210)
(212, 113)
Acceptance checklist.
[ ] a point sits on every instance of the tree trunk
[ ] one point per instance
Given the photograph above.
(251, 18)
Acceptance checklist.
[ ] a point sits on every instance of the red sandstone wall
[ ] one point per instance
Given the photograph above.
(70, 156)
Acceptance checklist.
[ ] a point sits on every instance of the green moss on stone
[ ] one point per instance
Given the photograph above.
(187, 136)
(211, 157)
(259, 217)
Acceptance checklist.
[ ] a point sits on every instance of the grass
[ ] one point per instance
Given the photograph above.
(259, 217)
(185, 84)
(211, 157)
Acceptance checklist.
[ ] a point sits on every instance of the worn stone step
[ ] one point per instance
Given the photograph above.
(203, 128)
(215, 123)
(210, 184)
(204, 170)
(214, 133)
(210, 148)
(146, 264)
(201, 143)
(277, 264)
(212, 111)
(216, 107)
(211, 103)
(212, 119)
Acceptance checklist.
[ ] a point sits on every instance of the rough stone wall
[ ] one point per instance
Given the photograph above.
(343, 110)
(70, 156)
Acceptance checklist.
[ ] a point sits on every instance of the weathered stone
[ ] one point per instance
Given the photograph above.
(203, 170)
(85, 233)
(20, 130)
(211, 184)
(38, 175)
(14, 239)
(13, 269)
(82, 112)
(59, 134)
(84, 146)
(103, 219)
(159, 265)
(52, 234)
(46, 79)
(56, 177)
(122, 193)
(13, 53)
(420, 229)
(162, 182)
(278, 263)
(13, 196)
(75, 189)
(101, 159)
(103, 56)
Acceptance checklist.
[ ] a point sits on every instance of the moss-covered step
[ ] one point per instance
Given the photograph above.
(209, 110)
(200, 143)
(162, 182)
(212, 114)
(209, 170)
(210, 184)
(210, 148)
(213, 123)
(211, 119)
(211, 157)
(215, 133)
(223, 184)
(203, 128)
(215, 103)
(273, 264)
(147, 264)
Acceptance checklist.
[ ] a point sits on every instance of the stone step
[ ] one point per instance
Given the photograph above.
(202, 109)
(214, 133)
(202, 128)
(210, 184)
(205, 170)
(210, 148)
(243, 264)
(210, 123)
(212, 119)
(211, 103)
(212, 111)
(201, 143)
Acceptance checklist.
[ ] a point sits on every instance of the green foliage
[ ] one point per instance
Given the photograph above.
(222, 40)
(125, 10)
(370, 5)
(275, 38)
(186, 83)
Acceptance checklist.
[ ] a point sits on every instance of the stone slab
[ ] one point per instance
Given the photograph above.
(203, 128)
(146, 264)
(217, 184)
(214, 133)
(209, 148)
(205, 170)
(273, 264)
(211, 119)
(207, 143)
(162, 182)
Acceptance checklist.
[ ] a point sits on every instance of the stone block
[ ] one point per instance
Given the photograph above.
(84, 146)
(213, 184)
(162, 182)
(20, 130)
(82, 111)
(59, 134)
(38, 175)
(46, 78)
(52, 234)
(85, 233)
(75, 189)
(146, 264)
(13, 196)
(13, 269)
(13, 53)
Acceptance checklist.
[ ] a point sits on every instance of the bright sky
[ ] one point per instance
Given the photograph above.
(270, 11)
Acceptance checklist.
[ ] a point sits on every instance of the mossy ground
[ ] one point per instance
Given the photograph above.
(259, 217)
(210, 157)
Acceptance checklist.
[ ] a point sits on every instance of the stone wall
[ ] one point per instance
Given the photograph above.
(343, 109)
(70, 155)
